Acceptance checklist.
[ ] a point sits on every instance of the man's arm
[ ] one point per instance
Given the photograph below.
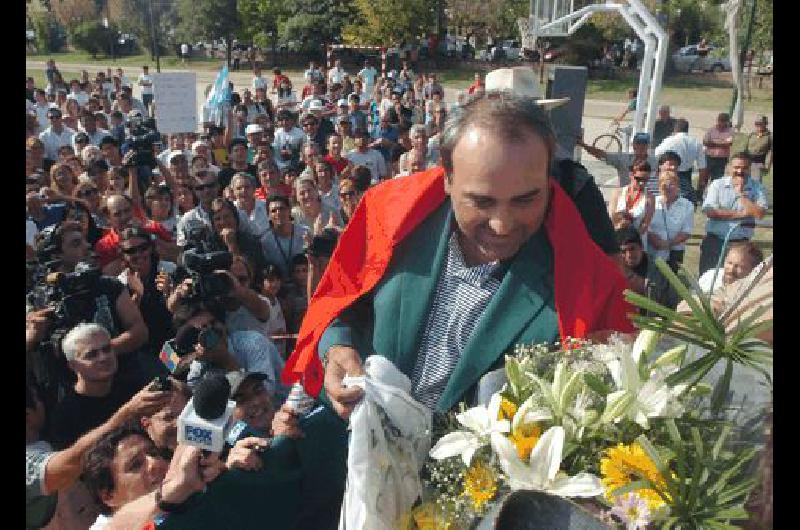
(64, 467)
(249, 299)
(136, 332)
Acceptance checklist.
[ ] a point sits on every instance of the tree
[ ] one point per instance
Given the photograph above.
(762, 30)
(70, 13)
(209, 19)
(489, 18)
(261, 20)
(91, 37)
(314, 23)
(133, 16)
(387, 23)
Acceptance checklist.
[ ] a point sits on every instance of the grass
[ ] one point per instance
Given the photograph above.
(169, 61)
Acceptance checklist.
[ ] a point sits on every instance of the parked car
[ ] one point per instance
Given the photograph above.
(512, 49)
(687, 60)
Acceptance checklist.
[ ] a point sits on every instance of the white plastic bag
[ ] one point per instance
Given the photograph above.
(389, 442)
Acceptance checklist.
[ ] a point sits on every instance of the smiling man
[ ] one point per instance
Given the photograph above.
(459, 264)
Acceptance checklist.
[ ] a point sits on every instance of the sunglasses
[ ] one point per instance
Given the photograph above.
(201, 187)
(95, 353)
(130, 251)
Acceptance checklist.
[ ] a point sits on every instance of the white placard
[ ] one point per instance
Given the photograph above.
(174, 95)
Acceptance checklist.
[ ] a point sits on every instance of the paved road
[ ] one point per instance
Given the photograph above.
(596, 118)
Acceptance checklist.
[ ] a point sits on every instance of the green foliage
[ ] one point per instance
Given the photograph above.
(382, 22)
(133, 16)
(208, 20)
(762, 30)
(91, 37)
(312, 23)
(47, 34)
(261, 20)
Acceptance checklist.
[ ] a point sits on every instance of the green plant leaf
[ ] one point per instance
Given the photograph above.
(721, 388)
(595, 383)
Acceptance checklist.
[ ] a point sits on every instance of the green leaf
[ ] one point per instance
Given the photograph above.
(514, 376)
(721, 388)
(700, 366)
(659, 463)
(726, 429)
(596, 383)
(636, 485)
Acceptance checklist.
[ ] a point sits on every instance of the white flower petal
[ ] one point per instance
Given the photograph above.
(468, 453)
(475, 419)
(452, 444)
(581, 485)
(515, 469)
(546, 455)
(654, 397)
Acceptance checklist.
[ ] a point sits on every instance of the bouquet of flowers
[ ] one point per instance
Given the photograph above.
(629, 430)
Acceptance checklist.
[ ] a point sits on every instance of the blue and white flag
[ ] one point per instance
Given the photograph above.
(218, 96)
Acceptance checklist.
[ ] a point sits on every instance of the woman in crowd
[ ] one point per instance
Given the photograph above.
(159, 206)
(341, 166)
(77, 211)
(272, 281)
(184, 200)
(672, 221)
(635, 198)
(418, 158)
(71, 114)
(88, 192)
(310, 211)
(228, 235)
(327, 187)
(62, 181)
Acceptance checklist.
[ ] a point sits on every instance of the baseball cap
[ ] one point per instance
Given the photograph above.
(53, 112)
(316, 105)
(135, 113)
(641, 138)
(520, 81)
(253, 128)
(237, 377)
(341, 103)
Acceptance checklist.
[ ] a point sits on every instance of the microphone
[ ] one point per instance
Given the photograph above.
(206, 419)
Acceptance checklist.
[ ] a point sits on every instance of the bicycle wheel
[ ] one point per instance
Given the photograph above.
(608, 143)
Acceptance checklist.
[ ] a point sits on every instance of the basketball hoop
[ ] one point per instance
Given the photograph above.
(528, 36)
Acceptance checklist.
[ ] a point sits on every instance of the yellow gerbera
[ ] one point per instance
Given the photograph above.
(480, 484)
(624, 464)
(507, 410)
(524, 438)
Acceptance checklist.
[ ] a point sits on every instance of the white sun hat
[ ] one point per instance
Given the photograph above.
(520, 81)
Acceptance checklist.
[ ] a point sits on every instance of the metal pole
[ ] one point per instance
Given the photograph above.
(153, 39)
(111, 32)
(743, 54)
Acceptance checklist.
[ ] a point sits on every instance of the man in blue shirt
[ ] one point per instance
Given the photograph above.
(386, 136)
(731, 204)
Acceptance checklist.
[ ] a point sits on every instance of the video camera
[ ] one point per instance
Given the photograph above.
(207, 283)
(142, 134)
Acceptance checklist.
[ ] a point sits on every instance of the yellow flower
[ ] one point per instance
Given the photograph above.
(428, 517)
(524, 438)
(480, 484)
(624, 464)
(507, 410)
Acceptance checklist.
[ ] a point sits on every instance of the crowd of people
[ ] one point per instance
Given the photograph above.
(211, 244)
(653, 209)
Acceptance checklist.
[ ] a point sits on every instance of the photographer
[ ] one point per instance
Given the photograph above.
(74, 296)
(209, 347)
(227, 235)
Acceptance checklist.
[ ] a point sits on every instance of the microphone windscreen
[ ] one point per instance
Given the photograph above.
(211, 396)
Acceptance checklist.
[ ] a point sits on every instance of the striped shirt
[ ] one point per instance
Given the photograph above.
(461, 297)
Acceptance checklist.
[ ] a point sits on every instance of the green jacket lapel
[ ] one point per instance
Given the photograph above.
(423, 256)
(521, 298)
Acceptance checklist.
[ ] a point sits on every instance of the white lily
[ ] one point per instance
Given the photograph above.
(481, 423)
(542, 472)
(639, 399)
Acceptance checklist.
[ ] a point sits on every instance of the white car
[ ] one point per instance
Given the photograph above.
(687, 60)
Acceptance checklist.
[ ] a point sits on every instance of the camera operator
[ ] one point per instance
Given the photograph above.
(74, 296)
(206, 188)
(149, 282)
(201, 331)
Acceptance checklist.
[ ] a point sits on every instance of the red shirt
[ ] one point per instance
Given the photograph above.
(107, 247)
(474, 86)
(307, 91)
(280, 189)
(278, 79)
(338, 165)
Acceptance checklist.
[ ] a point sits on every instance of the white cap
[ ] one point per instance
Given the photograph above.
(253, 128)
(520, 81)
(135, 113)
(341, 103)
(316, 105)
(197, 144)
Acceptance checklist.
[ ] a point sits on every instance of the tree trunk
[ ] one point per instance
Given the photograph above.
(228, 44)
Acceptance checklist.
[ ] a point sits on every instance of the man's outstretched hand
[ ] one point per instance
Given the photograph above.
(343, 360)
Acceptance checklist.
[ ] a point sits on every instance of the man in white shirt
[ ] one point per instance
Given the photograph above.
(258, 81)
(337, 73)
(41, 107)
(288, 139)
(691, 151)
(244, 189)
(77, 94)
(56, 135)
(88, 125)
(367, 76)
(364, 155)
(145, 83)
(123, 79)
(313, 74)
